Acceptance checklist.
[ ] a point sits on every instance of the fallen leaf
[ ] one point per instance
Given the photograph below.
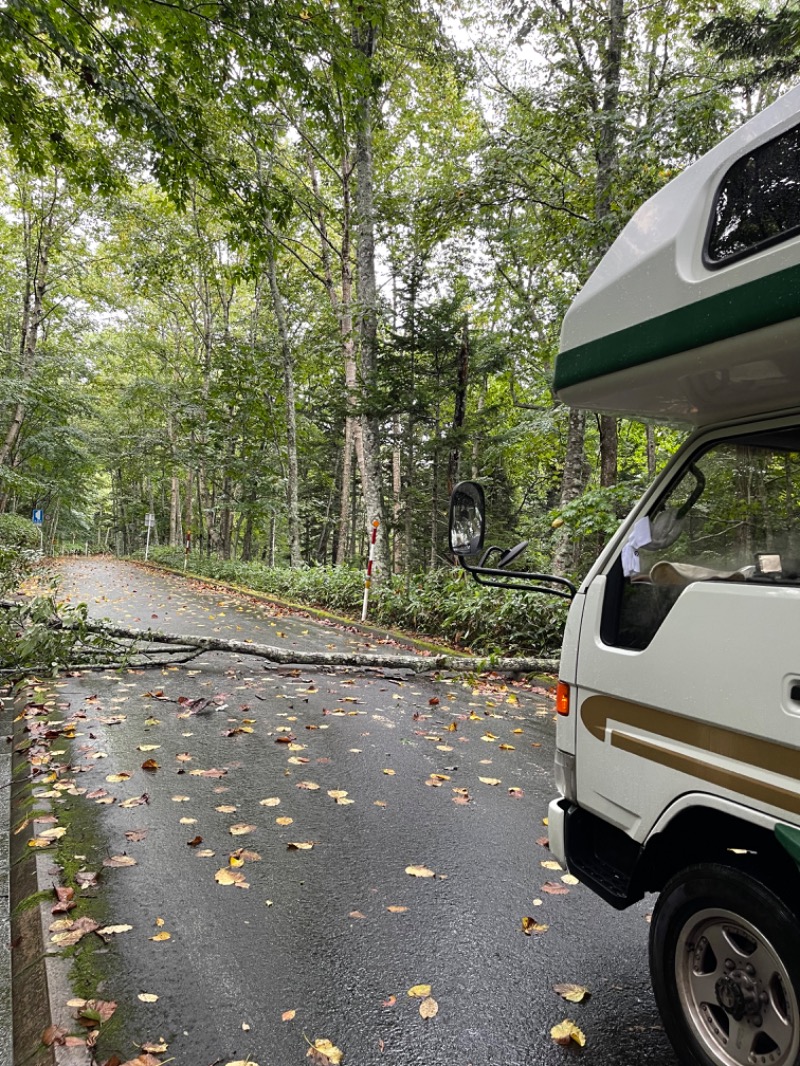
(148, 997)
(309, 786)
(567, 1031)
(572, 993)
(390, 1002)
(273, 801)
(155, 1047)
(288, 1015)
(300, 845)
(428, 1008)
(226, 808)
(419, 991)
(163, 935)
(490, 780)
(284, 821)
(356, 914)
(150, 764)
(570, 879)
(395, 909)
(323, 1053)
(553, 888)
(112, 930)
(241, 828)
(194, 842)
(389, 773)
(226, 876)
(119, 860)
(53, 1034)
(419, 871)
(530, 925)
(551, 864)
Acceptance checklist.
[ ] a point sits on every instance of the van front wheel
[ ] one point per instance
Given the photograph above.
(725, 963)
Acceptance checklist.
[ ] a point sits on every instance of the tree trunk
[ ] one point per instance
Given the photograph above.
(295, 557)
(607, 155)
(364, 39)
(459, 407)
(572, 485)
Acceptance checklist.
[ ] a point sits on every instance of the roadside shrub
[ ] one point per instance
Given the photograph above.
(443, 604)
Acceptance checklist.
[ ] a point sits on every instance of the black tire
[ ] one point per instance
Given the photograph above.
(737, 1005)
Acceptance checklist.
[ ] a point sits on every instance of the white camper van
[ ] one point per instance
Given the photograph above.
(678, 736)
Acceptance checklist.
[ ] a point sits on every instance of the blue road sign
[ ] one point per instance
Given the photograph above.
(38, 516)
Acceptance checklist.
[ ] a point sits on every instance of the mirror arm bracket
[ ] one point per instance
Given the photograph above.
(518, 580)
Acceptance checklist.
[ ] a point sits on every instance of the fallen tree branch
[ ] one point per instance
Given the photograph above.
(460, 664)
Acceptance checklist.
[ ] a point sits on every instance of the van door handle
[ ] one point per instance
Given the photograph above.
(794, 691)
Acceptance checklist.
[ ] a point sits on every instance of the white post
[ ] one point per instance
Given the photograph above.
(186, 550)
(147, 542)
(368, 578)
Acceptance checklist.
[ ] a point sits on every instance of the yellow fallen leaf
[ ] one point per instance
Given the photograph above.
(148, 997)
(530, 925)
(240, 829)
(115, 778)
(226, 876)
(300, 845)
(288, 1015)
(324, 1052)
(284, 821)
(164, 935)
(155, 1047)
(149, 747)
(419, 991)
(273, 801)
(570, 879)
(566, 1031)
(419, 871)
(429, 1008)
(389, 773)
(111, 930)
(490, 780)
(551, 864)
(395, 909)
(507, 747)
(226, 808)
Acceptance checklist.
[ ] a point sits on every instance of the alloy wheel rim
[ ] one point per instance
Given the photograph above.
(735, 992)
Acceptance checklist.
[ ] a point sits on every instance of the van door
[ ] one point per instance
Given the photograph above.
(689, 663)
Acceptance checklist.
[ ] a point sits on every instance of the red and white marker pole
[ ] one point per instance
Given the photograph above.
(368, 578)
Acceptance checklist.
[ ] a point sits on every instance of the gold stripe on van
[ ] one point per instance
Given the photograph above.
(767, 755)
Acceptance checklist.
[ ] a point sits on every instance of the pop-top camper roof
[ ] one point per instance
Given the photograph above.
(693, 315)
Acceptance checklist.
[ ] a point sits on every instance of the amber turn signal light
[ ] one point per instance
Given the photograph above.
(562, 698)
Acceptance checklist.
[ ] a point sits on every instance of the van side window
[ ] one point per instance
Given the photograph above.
(757, 203)
(732, 515)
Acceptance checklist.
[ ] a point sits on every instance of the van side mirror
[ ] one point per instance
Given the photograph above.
(467, 531)
(467, 518)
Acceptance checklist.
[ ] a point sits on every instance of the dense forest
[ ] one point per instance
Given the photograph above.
(273, 271)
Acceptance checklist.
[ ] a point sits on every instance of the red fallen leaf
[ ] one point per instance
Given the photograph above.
(53, 1034)
(115, 1060)
(356, 914)
(433, 701)
(194, 842)
(64, 893)
(96, 793)
(286, 740)
(390, 1002)
(150, 764)
(516, 793)
(86, 878)
(543, 841)
(554, 888)
(135, 835)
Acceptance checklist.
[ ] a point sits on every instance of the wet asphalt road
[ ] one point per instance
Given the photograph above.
(313, 933)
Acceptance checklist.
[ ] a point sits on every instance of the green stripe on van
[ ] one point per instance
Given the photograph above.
(763, 302)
